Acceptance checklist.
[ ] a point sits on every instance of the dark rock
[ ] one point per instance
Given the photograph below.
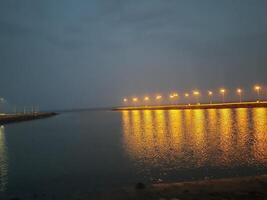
(15, 198)
(140, 186)
(185, 191)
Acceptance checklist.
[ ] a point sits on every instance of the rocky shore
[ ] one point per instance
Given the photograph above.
(11, 118)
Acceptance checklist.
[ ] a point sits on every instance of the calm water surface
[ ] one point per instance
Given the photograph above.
(96, 150)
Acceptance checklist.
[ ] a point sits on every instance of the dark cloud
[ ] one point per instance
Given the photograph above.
(84, 53)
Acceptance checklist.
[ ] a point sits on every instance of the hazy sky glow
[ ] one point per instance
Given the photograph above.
(81, 53)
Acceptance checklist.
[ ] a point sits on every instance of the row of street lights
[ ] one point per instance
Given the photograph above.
(196, 94)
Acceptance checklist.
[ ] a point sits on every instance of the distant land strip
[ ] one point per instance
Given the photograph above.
(12, 118)
(262, 104)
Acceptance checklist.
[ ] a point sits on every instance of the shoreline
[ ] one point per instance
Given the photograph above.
(252, 187)
(239, 188)
(262, 104)
(12, 118)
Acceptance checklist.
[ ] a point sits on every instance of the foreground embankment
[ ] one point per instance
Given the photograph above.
(11, 118)
(196, 106)
(232, 188)
(253, 188)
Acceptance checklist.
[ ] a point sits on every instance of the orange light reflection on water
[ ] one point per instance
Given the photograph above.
(225, 135)
(196, 138)
(260, 124)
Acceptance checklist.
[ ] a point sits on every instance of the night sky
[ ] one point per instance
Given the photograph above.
(81, 53)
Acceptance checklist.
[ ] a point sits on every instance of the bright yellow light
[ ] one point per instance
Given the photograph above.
(239, 91)
(158, 97)
(196, 93)
(257, 87)
(222, 91)
(210, 93)
(186, 95)
(125, 100)
(173, 95)
(146, 99)
(135, 99)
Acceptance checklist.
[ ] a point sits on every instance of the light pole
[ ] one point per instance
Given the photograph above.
(239, 91)
(258, 89)
(135, 100)
(222, 91)
(173, 96)
(125, 100)
(146, 99)
(158, 98)
(196, 94)
(186, 95)
(210, 93)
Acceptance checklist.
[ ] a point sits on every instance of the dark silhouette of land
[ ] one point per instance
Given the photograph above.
(12, 118)
(253, 188)
(262, 104)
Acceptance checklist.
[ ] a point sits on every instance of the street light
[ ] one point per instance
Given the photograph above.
(173, 95)
(125, 100)
(135, 99)
(171, 98)
(186, 95)
(222, 91)
(257, 88)
(158, 97)
(239, 91)
(210, 93)
(196, 93)
(146, 99)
